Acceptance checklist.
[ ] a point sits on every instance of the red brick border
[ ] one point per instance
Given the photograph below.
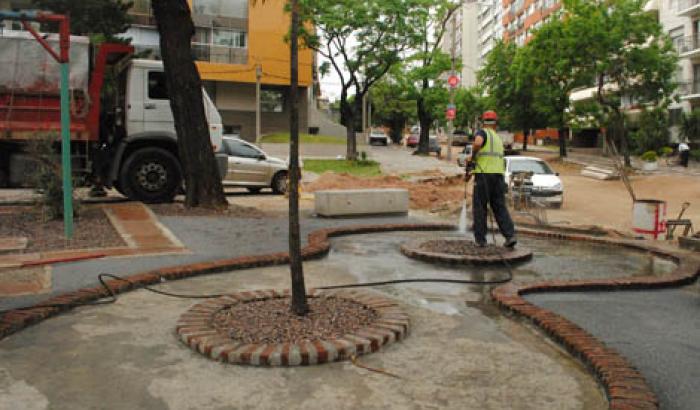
(195, 330)
(318, 245)
(413, 250)
(624, 385)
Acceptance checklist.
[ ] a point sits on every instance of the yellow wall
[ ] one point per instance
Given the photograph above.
(268, 24)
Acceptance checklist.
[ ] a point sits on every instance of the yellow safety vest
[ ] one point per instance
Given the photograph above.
(489, 159)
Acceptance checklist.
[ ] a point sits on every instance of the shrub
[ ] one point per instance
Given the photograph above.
(695, 154)
(652, 133)
(690, 125)
(47, 178)
(649, 156)
(666, 151)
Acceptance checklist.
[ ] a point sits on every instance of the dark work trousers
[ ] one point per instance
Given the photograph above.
(684, 158)
(490, 189)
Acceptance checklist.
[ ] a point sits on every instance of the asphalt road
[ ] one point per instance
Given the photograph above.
(658, 331)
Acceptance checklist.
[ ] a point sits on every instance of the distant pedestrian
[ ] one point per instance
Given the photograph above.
(684, 152)
(489, 184)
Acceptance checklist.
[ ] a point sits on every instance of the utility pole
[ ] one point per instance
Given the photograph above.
(258, 77)
(364, 114)
(453, 52)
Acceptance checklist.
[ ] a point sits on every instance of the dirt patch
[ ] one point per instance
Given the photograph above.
(271, 320)
(92, 229)
(233, 211)
(434, 193)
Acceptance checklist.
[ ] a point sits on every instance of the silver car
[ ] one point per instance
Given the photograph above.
(251, 168)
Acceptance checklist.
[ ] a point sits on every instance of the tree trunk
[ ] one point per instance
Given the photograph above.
(526, 135)
(202, 179)
(299, 305)
(425, 120)
(562, 142)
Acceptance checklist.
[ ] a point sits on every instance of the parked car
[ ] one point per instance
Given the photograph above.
(460, 138)
(251, 168)
(434, 146)
(546, 184)
(379, 137)
(412, 139)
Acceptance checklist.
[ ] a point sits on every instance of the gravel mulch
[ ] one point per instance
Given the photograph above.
(92, 229)
(234, 211)
(460, 247)
(271, 320)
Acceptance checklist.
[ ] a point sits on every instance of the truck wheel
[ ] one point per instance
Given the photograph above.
(151, 175)
(279, 183)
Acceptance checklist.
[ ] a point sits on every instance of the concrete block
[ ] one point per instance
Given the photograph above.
(598, 175)
(361, 202)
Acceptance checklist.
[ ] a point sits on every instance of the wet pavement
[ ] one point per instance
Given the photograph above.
(461, 352)
(658, 331)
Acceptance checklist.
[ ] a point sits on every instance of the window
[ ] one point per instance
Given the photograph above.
(674, 116)
(271, 101)
(240, 149)
(229, 38)
(221, 8)
(157, 88)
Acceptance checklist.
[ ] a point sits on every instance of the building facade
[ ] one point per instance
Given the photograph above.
(235, 43)
(522, 17)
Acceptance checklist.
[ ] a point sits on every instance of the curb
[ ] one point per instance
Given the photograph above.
(318, 246)
(413, 250)
(195, 330)
(625, 386)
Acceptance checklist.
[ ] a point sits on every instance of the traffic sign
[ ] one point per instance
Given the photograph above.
(451, 113)
(453, 81)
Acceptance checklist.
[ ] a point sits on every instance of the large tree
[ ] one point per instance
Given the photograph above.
(362, 40)
(105, 17)
(634, 62)
(392, 106)
(202, 180)
(428, 63)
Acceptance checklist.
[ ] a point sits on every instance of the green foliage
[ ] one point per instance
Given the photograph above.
(105, 17)
(695, 154)
(364, 168)
(470, 105)
(47, 178)
(392, 105)
(666, 151)
(652, 132)
(690, 126)
(649, 156)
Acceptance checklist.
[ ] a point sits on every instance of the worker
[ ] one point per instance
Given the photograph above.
(488, 166)
(684, 152)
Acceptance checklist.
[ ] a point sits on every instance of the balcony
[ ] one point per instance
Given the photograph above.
(689, 8)
(689, 47)
(689, 91)
(219, 54)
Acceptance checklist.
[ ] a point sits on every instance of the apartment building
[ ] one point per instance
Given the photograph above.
(490, 27)
(236, 41)
(522, 17)
(681, 20)
(462, 30)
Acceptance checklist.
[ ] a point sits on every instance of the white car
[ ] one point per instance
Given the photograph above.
(378, 137)
(251, 168)
(546, 184)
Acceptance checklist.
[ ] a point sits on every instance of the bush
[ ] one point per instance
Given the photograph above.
(666, 151)
(695, 154)
(649, 156)
(652, 133)
(48, 179)
(690, 125)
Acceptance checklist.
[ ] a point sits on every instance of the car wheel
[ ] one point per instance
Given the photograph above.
(279, 183)
(254, 190)
(151, 175)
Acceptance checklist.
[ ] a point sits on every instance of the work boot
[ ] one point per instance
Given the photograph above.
(481, 244)
(510, 242)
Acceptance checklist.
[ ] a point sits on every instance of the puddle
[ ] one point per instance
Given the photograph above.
(377, 257)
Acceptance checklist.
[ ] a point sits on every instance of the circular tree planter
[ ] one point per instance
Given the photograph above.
(462, 252)
(213, 328)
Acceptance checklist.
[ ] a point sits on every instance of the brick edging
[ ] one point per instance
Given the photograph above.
(413, 250)
(318, 246)
(195, 330)
(625, 386)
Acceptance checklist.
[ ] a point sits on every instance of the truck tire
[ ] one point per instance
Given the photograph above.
(150, 175)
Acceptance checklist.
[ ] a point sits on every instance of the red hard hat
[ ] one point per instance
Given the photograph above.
(490, 116)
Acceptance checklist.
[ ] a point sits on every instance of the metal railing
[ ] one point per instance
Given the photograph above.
(141, 7)
(689, 87)
(219, 54)
(686, 4)
(689, 43)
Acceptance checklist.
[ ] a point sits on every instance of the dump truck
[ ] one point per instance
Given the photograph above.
(122, 128)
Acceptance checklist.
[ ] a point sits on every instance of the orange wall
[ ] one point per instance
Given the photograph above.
(268, 24)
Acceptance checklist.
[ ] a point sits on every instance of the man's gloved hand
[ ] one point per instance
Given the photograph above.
(468, 170)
